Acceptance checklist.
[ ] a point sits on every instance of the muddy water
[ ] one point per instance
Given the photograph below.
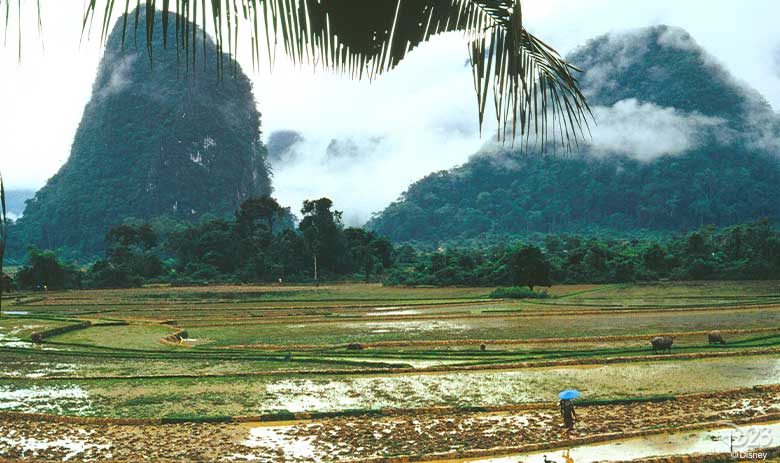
(743, 438)
(508, 387)
(44, 399)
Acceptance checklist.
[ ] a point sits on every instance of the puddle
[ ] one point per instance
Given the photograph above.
(16, 312)
(283, 445)
(394, 312)
(35, 369)
(416, 326)
(745, 439)
(37, 399)
(15, 343)
(485, 388)
(387, 311)
(195, 341)
(31, 447)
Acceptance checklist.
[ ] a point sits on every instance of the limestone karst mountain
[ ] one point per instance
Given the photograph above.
(157, 139)
(678, 143)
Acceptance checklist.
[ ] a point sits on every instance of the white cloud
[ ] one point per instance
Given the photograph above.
(675, 37)
(415, 120)
(646, 131)
(118, 80)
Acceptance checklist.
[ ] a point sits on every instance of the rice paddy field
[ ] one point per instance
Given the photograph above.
(354, 372)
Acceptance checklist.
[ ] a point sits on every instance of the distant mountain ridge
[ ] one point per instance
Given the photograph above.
(157, 139)
(14, 201)
(677, 143)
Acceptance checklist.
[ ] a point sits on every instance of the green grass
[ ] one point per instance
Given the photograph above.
(118, 337)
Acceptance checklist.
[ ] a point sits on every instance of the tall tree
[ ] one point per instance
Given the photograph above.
(369, 253)
(530, 267)
(320, 227)
(257, 216)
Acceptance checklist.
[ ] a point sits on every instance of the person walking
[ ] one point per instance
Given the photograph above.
(567, 411)
(569, 417)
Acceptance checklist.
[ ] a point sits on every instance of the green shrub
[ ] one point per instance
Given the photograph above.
(517, 292)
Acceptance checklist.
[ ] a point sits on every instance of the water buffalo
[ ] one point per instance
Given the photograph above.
(661, 343)
(714, 337)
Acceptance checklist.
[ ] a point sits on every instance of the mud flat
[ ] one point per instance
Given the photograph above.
(422, 434)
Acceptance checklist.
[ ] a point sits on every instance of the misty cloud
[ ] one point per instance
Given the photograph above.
(281, 146)
(617, 52)
(776, 61)
(364, 143)
(119, 78)
(646, 131)
(676, 37)
(371, 173)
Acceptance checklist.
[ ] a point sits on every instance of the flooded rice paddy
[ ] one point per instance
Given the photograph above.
(351, 351)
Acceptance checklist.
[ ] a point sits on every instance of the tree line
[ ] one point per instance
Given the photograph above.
(741, 252)
(262, 243)
(265, 243)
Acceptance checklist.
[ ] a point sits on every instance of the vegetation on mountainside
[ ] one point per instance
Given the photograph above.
(494, 198)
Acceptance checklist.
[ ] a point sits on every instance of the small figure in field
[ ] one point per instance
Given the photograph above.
(569, 417)
(547, 460)
(662, 343)
(482, 347)
(714, 337)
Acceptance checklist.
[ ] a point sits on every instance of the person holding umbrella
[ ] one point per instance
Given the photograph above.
(567, 410)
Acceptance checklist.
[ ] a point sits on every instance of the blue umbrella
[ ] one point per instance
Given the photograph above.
(569, 394)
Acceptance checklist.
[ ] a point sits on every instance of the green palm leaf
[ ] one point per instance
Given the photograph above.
(535, 92)
(3, 238)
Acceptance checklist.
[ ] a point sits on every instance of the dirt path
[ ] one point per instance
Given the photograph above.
(365, 439)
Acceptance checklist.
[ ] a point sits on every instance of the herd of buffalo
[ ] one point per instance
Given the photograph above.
(664, 343)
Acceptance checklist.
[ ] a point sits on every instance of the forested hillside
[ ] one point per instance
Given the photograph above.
(678, 143)
(166, 139)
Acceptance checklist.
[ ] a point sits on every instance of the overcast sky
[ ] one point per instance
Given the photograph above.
(424, 111)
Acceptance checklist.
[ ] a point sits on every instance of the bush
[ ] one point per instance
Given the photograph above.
(517, 292)
(7, 282)
(44, 270)
(103, 274)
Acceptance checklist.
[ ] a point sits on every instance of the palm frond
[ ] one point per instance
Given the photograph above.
(534, 89)
(3, 238)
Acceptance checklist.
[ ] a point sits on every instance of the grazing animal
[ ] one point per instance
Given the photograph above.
(482, 347)
(714, 337)
(662, 343)
(355, 346)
